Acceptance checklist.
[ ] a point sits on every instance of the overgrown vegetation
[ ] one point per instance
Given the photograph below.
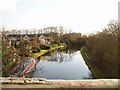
(74, 39)
(36, 50)
(96, 71)
(103, 46)
(44, 47)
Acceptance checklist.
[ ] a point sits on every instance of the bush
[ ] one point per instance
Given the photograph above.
(53, 45)
(36, 50)
(44, 47)
(62, 43)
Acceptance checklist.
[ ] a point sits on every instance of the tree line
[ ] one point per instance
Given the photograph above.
(103, 47)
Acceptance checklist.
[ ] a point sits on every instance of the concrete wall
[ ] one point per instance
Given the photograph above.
(47, 83)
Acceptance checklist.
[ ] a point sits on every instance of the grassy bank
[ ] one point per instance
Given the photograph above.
(96, 72)
(42, 52)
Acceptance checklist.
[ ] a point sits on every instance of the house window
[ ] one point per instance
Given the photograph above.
(26, 38)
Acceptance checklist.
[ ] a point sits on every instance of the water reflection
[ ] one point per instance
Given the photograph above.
(59, 57)
(68, 65)
(62, 65)
(26, 68)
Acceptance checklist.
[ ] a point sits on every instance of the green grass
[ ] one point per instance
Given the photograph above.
(36, 54)
(97, 73)
(51, 47)
(31, 51)
(62, 43)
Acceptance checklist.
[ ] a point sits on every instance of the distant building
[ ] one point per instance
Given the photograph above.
(14, 40)
(45, 39)
(26, 38)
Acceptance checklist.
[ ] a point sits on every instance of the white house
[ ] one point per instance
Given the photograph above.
(44, 39)
(26, 38)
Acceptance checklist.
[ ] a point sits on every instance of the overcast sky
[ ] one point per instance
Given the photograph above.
(83, 16)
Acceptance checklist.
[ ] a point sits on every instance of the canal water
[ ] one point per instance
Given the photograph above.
(67, 65)
(62, 65)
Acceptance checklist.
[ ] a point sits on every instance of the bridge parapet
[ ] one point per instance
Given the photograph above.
(48, 83)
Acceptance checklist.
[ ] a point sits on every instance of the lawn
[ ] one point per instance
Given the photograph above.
(51, 47)
(36, 54)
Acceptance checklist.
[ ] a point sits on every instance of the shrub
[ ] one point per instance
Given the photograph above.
(62, 43)
(44, 47)
(36, 49)
(53, 45)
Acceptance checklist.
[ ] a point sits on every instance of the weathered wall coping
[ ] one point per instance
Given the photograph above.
(49, 83)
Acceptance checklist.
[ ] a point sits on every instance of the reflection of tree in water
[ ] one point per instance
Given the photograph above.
(56, 56)
(60, 57)
(39, 68)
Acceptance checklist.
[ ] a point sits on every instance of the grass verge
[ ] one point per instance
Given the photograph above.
(96, 72)
(42, 51)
